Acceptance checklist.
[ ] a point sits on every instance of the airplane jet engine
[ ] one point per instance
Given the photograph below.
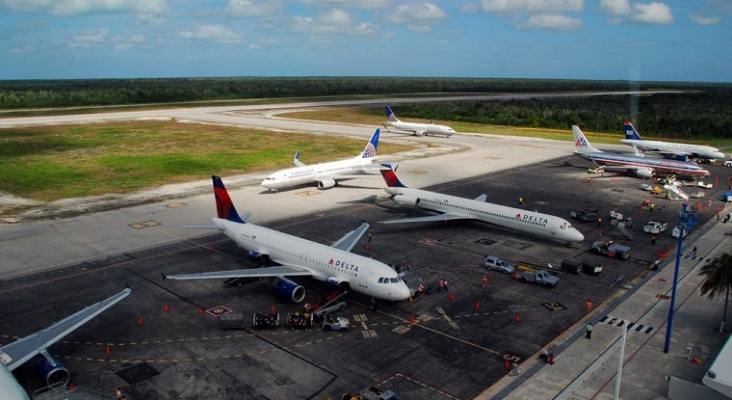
(289, 289)
(419, 133)
(55, 373)
(644, 173)
(407, 200)
(326, 183)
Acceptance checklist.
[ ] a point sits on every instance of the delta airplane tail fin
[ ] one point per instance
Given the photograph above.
(224, 206)
(390, 176)
(630, 132)
(581, 145)
(372, 146)
(390, 116)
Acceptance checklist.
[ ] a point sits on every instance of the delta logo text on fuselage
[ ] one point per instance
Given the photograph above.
(345, 266)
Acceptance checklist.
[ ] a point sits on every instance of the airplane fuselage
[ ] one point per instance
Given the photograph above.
(695, 150)
(651, 163)
(547, 226)
(364, 275)
(10, 389)
(421, 129)
(325, 172)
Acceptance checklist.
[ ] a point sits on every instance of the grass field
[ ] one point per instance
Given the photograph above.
(48, 163)
(377, 117)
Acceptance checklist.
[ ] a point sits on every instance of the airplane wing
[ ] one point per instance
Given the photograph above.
(264, 272)
(350, 239)
(16, 353)
(431, 218)
(481, 198)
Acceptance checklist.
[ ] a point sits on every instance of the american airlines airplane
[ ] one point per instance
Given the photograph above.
(417, 128)
(15, 354)
(327, 175)
(678, 151)
(638, 165)
(295, 256)
(453, 208)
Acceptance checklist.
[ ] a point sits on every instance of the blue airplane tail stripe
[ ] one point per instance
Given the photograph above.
(390, 116)
(224, 206)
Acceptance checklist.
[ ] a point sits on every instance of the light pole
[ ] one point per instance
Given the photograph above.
(687, 220)
(621, 356)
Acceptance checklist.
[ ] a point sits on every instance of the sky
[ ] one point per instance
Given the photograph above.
(669, 40)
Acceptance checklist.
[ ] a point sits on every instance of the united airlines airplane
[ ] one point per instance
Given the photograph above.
(15, 354)
(327, 175)
(417, 128)
(679, 151)
(295, 256)
(453, 208)
(642, 167)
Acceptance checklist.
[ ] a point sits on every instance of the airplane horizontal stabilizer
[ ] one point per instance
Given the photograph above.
(431, 218)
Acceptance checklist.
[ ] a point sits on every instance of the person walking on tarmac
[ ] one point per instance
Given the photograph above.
(588, 331)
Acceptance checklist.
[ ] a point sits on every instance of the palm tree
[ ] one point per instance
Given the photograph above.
(718, 277)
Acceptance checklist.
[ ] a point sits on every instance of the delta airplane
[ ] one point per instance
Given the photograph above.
(642, 167)
(295, 256)
(678, 151)
(416, 128)
(15, 354)
(452, 208)
(327, 174)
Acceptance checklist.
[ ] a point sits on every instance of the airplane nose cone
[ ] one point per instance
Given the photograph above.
(402, 293)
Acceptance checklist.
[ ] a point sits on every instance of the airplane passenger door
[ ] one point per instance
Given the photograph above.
(554, 230)
(364, 275)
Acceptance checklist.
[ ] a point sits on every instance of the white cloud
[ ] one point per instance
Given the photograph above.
(418, 17)
(213, 33)
(653, 13)
(90, 38)
(699, 20)
(333, 22)
(77, 7)
(127, 42)
(553, 22)
(253, 8)
(528, 6)
(615, 7)
(362, 4)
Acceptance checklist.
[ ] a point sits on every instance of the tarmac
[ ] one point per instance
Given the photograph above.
(588, 368)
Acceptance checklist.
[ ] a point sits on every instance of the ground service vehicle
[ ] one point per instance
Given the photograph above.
(232, 320)
(728, 164)
(655, 227)
(333, 323)
(300, 320)
(541, 277)
(577, 266)
(372, 393)
(587, 215)
(266, 320)
(610, 249)
(497, 264)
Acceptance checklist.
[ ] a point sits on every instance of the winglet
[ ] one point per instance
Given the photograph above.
(630, 132)
(164, 276)
(390, 176)
(372, 145)
(224, 206)
(390, 116)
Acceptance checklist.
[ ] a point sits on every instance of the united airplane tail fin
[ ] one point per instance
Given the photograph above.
(372, 146)
(224, 206)
(581, 145)
(390, 116)
(297, 161)
(630, 132)
(390, 176)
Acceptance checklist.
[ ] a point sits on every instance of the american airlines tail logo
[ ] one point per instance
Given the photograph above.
(580, 143)
(369, 151)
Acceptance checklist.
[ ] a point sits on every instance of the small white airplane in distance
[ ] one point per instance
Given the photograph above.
(454, 208)
(327, 175)
(15, 354)
(678, 151)
(417, 128)
(635, 164)
(300, 257)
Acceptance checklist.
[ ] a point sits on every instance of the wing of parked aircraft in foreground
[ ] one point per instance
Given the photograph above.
(14, 354)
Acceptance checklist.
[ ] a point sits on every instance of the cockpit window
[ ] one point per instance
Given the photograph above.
(394, 280)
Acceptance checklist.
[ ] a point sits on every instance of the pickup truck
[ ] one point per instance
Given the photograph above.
(655, 227)
(610, 249)
(541, 277)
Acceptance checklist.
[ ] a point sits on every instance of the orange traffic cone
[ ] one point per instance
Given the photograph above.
(200, 310)
(518, 318)
(139, 320)
(477, 305)
(166, 308)
(72, 388)
(452, 296)
(411, 319)
(108, 350)
(507, 364)
(274, 309)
